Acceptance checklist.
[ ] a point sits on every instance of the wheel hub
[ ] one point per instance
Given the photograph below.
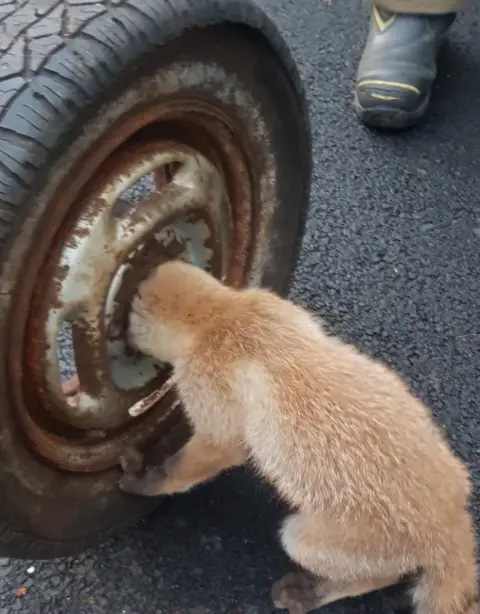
(112, 245)
(179, 189)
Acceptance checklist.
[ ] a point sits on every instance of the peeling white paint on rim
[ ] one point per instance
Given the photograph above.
(91, 267)
(143, 405)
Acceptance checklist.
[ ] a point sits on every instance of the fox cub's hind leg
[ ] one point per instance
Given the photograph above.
(331, 572)
(200, 460)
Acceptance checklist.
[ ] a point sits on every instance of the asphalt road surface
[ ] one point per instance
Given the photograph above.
(391, 260)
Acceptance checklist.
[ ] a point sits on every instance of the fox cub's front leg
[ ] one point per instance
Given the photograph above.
(200, 460)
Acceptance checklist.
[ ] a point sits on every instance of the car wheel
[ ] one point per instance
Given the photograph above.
(130, 132)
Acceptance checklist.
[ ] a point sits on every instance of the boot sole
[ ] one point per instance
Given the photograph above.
(390, 118)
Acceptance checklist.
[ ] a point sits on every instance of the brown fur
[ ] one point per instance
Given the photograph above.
(377, 491)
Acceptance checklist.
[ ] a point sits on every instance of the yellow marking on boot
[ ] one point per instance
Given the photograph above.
(399, 85)
(381, 97)
(382, 24)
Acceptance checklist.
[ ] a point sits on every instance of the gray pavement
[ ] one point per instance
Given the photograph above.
(391, 260)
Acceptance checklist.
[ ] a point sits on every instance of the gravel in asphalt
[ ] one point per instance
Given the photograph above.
(391, 260)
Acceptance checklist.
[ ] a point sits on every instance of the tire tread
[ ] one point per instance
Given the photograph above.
(91, 35)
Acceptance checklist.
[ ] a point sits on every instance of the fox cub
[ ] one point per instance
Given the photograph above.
(375, 491)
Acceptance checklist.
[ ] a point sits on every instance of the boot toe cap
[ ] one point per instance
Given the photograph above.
(390, 104)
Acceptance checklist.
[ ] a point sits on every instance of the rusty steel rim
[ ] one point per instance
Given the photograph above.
(198, 208)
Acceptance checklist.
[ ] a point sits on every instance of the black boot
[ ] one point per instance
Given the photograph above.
(398, 67)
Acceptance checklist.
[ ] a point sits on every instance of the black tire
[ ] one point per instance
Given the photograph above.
(64, 67)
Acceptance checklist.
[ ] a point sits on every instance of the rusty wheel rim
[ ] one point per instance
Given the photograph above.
(103, 245)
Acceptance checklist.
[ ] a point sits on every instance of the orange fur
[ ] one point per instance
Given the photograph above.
(376, 490)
